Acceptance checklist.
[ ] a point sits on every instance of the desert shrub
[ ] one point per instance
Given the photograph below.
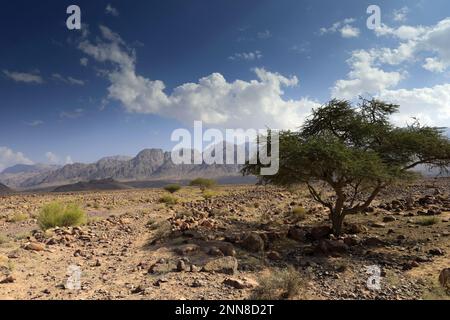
(18, 217)
(299, 213)
(169, 200)
(162, 230)
(56, 214)
(279, 285)
(208, 194)
(203, 183)
(172, 188)
(428, 221)
(3, 239)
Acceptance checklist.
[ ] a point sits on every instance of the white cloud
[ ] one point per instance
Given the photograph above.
(68, 80)
(52, 158)
(10, 158)
(24, 77)
(69, 160)
(111, 11)
(84, 62)
(249, 56)
(364, 77)
(432, 41)
(430, 105)
(434, 65)
(213, 99)
(344, 27)
(349, 32)
(400, 15)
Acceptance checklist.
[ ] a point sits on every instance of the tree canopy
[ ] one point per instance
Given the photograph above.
(356, 151)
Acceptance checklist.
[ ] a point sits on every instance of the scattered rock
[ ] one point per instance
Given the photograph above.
(33, 246)
(164, 267)
(373, 242)
(389, 219)
(355, 228)
(186, 249)
(331, 247)
(274, 255)
(253, 243)
(436, 252)
(378, 225)
(238, 284)
(227, 265)
(8, 279)
(296, 233)
(321, 232)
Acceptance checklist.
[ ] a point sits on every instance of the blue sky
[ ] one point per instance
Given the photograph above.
(140, 69)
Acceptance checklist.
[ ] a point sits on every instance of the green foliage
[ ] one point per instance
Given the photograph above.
(279, 285)
(18, 217)
(56, 214)
(208, 194)
(203, 183)
(299, 213)
(428, 221)
(172, 188)
(169, 200)
(3, 239)
(356, 151)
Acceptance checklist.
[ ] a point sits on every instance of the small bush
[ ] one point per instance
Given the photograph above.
(169, 200)
(208, 194)
(3, 239)
(299, 213)
(56, 214)
(203, 183)
(18, 217)
(172, 188)
(428, 221)
(162, 230)
(279, 285)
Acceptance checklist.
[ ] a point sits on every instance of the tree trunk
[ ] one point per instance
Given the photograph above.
(337, 219)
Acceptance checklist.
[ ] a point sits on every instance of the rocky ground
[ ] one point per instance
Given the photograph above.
(135, 247)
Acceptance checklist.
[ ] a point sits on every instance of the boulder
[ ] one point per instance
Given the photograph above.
(227, 265)
(321, 232)
(253, 242)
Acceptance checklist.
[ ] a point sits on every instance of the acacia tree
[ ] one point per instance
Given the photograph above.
(357, 152)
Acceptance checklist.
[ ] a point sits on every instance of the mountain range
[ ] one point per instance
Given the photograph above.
(147, 165)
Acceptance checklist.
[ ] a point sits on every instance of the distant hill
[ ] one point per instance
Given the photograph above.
(104, 184)
(15, 176)
(27, 168)
(5, 190)
(148, 165)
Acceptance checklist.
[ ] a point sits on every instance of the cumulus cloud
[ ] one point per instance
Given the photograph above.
(10, 158)
(344, 27)
(349, 32)
(364, 77)
(430, 40)
(24, 77)
(431, 105)
(249, 56)
(214, 100)
(52, 158)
